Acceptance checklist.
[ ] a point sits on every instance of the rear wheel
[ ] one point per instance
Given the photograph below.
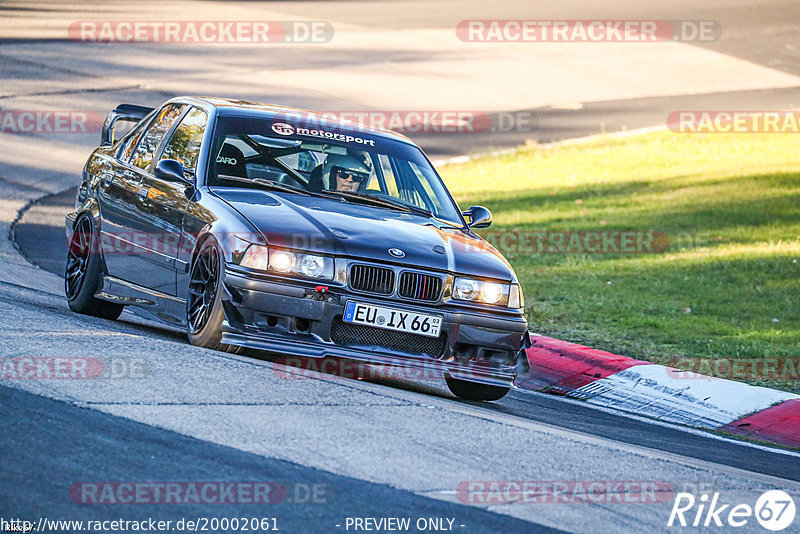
(475, 391)
(83, 273)
(204, 314)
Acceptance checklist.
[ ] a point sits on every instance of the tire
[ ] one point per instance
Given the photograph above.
(204, 313)
(83, 272)
(475, 391)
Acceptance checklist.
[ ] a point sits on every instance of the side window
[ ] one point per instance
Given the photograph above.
(130, 142)
(184, 145)
(152, 137)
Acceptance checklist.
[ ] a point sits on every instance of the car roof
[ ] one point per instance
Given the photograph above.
(244, 108)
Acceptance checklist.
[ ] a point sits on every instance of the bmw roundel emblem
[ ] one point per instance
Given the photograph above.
(397, 253)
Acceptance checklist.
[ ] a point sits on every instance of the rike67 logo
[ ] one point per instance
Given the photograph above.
(774, 510)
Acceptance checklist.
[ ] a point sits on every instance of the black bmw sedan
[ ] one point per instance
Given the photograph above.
(272, 228)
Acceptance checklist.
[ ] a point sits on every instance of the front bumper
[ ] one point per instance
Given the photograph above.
(69, 222)
(295, 319)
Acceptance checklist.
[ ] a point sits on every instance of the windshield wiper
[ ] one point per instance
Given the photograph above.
(342, 195)
(381, 201)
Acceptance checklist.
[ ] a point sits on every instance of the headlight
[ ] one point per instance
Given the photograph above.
(281, 260)
(288, 262)
(480, 291)
(312, 266)
(491, 293)
(465, 289)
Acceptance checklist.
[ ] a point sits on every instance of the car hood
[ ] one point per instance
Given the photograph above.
(360, 231)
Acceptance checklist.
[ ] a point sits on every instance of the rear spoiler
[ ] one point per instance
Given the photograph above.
(123, 112)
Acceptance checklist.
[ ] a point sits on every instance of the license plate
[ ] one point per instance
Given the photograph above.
(399, 320)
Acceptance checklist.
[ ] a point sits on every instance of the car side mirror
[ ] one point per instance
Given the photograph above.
(171, 170)
(479, 217)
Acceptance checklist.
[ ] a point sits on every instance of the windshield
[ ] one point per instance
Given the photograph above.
(355, 166)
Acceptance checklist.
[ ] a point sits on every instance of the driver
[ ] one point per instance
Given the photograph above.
(345, 173)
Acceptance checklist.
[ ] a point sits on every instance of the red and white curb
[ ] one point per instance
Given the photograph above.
(662, 393)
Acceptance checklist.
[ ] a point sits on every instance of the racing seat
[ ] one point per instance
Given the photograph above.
(230, 161)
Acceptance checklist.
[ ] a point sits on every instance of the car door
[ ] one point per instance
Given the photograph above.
(138, 259)
(163, 203)
(118, 190)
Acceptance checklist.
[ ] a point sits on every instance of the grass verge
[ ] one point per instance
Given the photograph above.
(725, 292)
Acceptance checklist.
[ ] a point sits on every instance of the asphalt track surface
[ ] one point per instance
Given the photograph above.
(97, 447)
(383, 448)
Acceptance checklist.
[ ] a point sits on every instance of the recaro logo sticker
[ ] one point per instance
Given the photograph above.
(226, 161)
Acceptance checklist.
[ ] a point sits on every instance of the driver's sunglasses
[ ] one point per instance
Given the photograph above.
(356, 176)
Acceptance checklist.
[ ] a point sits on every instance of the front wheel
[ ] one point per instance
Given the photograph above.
(204, 314)
(475, 391)
(83, 272)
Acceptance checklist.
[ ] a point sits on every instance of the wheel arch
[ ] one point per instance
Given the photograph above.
(91, 208)
(232, 239)
(232, 231)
